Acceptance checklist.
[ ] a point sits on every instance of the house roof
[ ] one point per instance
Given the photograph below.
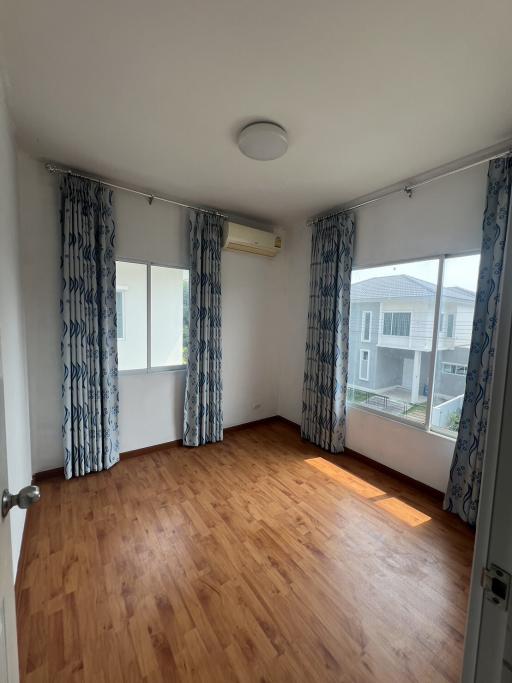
(404, 286)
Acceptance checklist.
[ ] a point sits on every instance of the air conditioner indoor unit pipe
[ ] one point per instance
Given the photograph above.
(242, 238)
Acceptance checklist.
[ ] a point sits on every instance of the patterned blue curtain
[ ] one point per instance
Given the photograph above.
(326, 366)
(89, 331)
(463, 493)
(203, 396)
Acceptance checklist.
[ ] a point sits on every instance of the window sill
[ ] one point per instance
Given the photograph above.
(152, 371)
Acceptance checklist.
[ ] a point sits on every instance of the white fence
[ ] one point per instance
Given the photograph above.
(442, 413)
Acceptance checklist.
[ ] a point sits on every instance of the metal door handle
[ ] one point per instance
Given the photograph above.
(24, 499)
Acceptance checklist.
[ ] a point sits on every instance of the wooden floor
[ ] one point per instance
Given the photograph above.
(258, 559)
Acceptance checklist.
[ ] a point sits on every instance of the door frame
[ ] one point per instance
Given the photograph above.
(8, 625)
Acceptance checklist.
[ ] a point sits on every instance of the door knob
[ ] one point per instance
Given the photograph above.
(24, 499)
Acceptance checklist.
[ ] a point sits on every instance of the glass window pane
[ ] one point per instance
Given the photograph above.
(131, 300)
(120, 313)
(366, 326)
(169, 316)
(388, 319)
(367, 331)
(457, 307)
(364, 365)
(449, 329)
(390, 371)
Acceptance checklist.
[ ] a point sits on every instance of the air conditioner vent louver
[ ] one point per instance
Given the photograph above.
(242, 238)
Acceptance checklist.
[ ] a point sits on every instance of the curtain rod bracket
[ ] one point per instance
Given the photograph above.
(408, 189)
(51, 167)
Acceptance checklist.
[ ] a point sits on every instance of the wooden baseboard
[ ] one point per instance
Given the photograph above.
(253, 423)
(59, 473)
(56, 473)
(126, 455)
(179, 442)
(419, 485)
(288, 422)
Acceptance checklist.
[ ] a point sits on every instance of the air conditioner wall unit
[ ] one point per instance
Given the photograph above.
(242, 238)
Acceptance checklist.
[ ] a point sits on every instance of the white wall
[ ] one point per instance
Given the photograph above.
(250, 336)
(264, 315)
(151, 405)
(442, 217)
(12, 330)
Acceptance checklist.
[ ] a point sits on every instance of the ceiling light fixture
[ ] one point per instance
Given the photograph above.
(263, 141)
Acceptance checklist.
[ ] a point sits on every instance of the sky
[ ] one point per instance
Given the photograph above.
(459, 271)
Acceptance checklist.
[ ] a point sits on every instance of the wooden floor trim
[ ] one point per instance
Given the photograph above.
(55, 473)
(58, 472)
(439, 495)
(125, 455)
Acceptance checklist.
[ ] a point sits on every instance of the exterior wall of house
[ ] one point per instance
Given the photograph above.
(462, 327)
(451, 385)
(386, 360)
(388, 353)
(356, 343)
(464, 324)
(389, 371)
(422, 323)
(424, 373)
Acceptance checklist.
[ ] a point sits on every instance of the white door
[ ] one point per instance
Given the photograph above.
(407, 373)
(8, 643)
(488, 643)
(492, 652)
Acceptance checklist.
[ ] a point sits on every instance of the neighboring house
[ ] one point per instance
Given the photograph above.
(391, 325)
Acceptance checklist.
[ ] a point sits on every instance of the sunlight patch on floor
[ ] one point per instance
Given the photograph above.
(390, 504)
(350, 481)
(402, 511)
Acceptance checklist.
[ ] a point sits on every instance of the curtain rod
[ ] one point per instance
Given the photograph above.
(407, 189)
(53, 168)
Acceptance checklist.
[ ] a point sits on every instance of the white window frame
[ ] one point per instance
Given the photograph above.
(436, 332)
(149, 369)
(452, 316)
(393, 313)
(363, 327)
(444, 364)
(361, 361)
(121, 334)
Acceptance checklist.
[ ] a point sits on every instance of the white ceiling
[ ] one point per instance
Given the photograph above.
(153, 92)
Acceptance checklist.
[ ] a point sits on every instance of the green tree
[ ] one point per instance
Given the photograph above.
(453, 421)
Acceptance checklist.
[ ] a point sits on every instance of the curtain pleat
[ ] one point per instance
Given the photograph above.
(203, 419)
(463, 492)
(89, 328)
(326, 364)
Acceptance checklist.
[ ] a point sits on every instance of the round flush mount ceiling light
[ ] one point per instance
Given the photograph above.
(263, 141)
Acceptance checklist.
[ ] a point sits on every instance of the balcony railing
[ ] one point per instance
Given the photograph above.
(377, 401)
(412, 412)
